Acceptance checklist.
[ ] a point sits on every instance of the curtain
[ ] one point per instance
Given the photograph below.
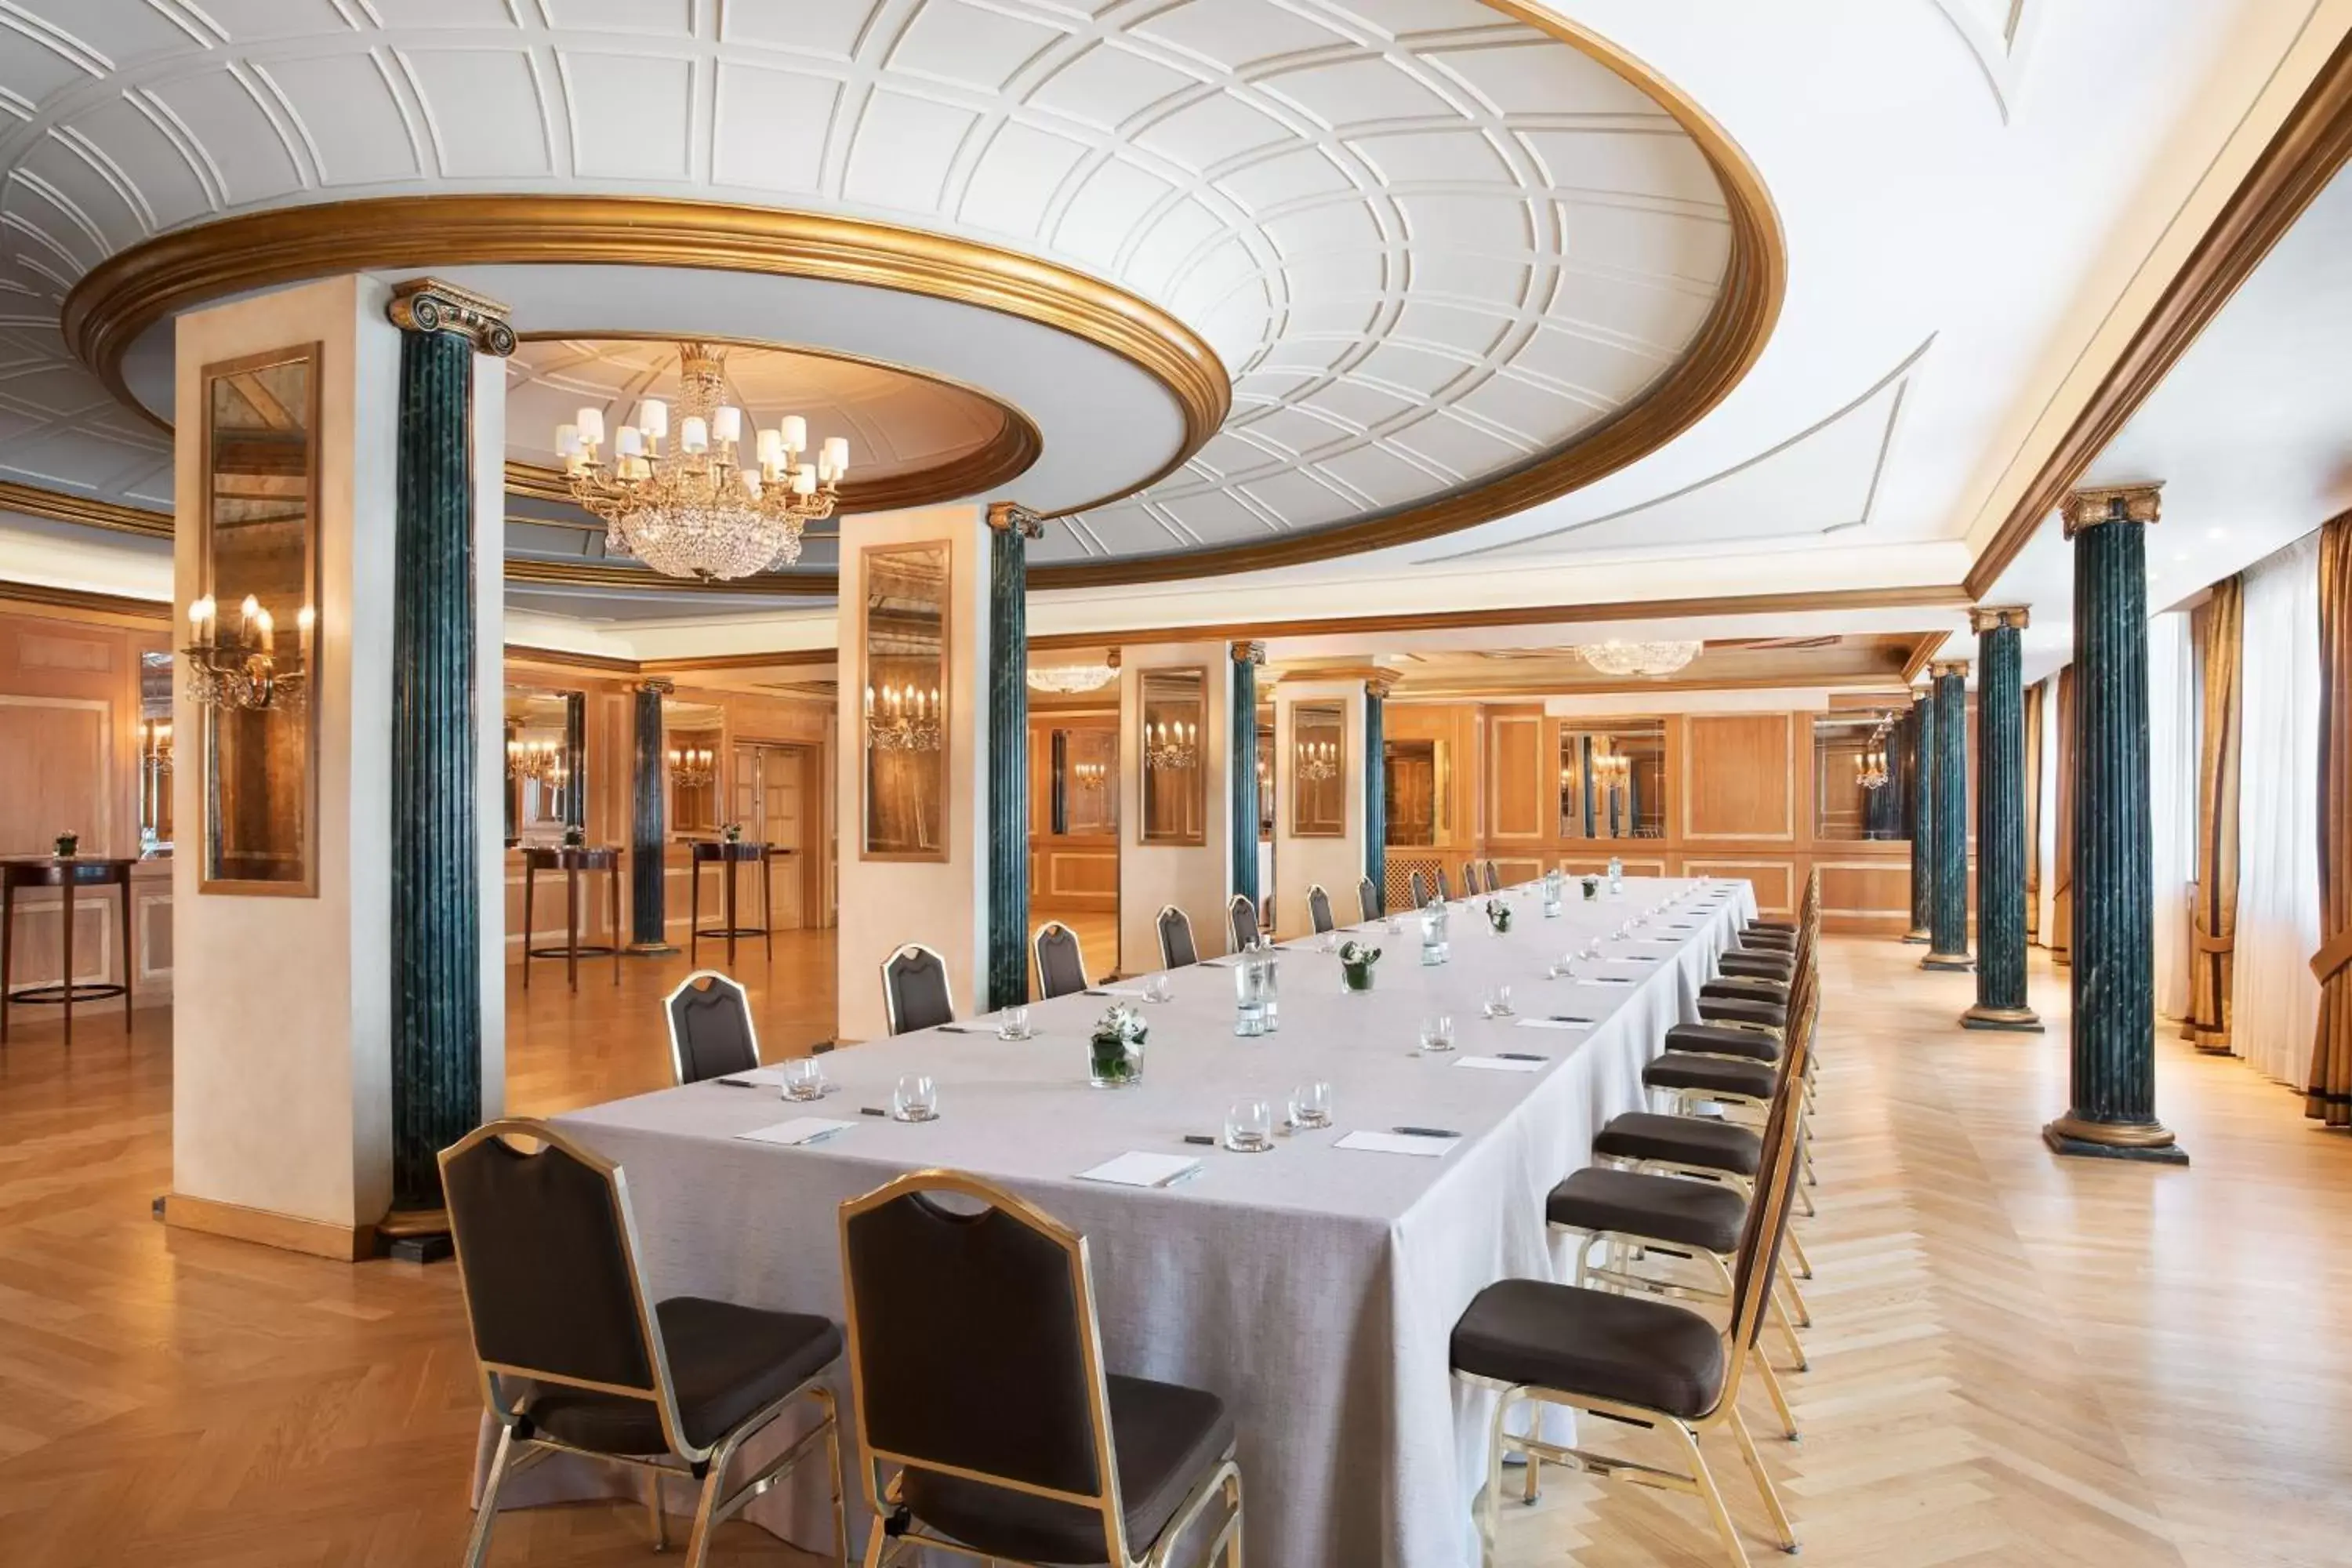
(2045, 815)
(2274, 1000)
(2329, 1080)
(2172, 766)
(2221, 641)
(2062, 899)
(2033, 812)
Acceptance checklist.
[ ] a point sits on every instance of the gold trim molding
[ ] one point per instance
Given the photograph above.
(596, 575)
(61, 507)
(83, 602)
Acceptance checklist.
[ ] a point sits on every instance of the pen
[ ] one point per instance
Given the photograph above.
(1201, 1138)
(1425, 1131)
(736, 1082)
(872, 1111)
(1569, 1018)
(1521, 1056)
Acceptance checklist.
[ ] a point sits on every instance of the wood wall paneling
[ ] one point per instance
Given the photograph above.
(1739, 776)
(1519, 803)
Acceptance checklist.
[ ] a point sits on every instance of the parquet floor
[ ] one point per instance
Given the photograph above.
(2016, 1361)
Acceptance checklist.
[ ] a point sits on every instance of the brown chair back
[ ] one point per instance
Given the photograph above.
(1241, 922)
(1176, 948)
(1061, 964)
(710, 1032)
(1368, 899)
(915, 992)
(1420, 891)
(1318, 909)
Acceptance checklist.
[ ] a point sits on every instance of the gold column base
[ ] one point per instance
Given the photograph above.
(415, 1236)
(2024, 1020)
(1959, 960)
(650, 950)
(1917, 934)
(2151, 1140)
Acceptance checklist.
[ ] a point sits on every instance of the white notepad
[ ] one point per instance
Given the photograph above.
(1397, 1144)
(1499, 1064)
(774, 1075)
(1556, 1022)
(800, 1129)
(1142, 1170)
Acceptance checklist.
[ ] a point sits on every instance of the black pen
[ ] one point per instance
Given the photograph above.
(872, 1111)
(1570, 1019)
(1520, 1057)
(736, 1082)
(1201, 1138)
(1425, 1131)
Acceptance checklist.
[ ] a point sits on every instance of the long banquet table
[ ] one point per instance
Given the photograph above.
(1312, 1287)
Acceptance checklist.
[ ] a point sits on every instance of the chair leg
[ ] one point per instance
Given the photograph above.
(1799, 1313)
(1797, 1255)
(660, 1520)
(1771, 1493)
(1771, 1381)
(1490, 1502)
(878, 1547)
(478, 1545)
(1799, 1360)
(1234, 1542)
(1733, 1552)
(831, 1406)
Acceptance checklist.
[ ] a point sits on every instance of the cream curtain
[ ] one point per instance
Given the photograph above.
(2221, 639)
(2274, 1000)
(2033, 858)
(2045, 822)
(2062, 904)
(2172, 758)
(2328, 1084)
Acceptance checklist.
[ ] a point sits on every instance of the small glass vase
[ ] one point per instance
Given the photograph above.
(67, 845)
(1115, 1062)
(1591, 889)
(1356, 976)
(1434, 947)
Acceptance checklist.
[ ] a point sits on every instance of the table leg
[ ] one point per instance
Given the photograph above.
(732, 864)
(130, 969)
(613, 880)
(693, 910)
(7, 953)
(529, 886)
(64, 937)
(572, 926)
(768, 901)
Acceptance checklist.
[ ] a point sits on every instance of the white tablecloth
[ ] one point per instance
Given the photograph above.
(1314, 1288)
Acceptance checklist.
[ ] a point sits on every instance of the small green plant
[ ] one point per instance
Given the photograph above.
(1115, 1053)
(1498, 915)
(69, 844)
(1356, 962)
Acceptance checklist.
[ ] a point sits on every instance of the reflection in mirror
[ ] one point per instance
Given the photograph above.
(906, 702)
(1175, 798)
(154, 754)
(259, 571)
(545, 742)
(1612, 779)
(1319, 770)
(1419, 784)
(694, 741)
(1085, 779)
(1858, 773)
(1265, 801)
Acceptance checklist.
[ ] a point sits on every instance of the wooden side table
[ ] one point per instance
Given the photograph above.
(81, 871)
(728, 857)
(571, 860)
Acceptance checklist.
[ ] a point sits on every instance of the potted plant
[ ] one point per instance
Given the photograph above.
(574, 837)
(1591, 885)
(1498, 915)
(69, 844)
(1115, 1052)
(732, 833)
(1356, 962)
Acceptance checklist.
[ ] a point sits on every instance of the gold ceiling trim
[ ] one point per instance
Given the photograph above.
(82, 602)
(640, 579)
(60, 507)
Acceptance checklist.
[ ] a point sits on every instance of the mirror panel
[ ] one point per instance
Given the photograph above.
(1850, 750)
(154, 755)
(260, 544)
(906, 632)
(1612, 779)
(1419, 778)
(1175, 792)
(694, 748)
(545, 750)
(1085, 779)
(1319, 770)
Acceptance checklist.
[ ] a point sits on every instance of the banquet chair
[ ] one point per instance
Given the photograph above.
(1494, 880)
(1061, 962)
(1241, 923)
(576, 1357)
(1176, 948)
(977, 1379)
(915, 992)
(1472, 885)
(1634, 1359)
(1420, 891)
(1445, 889)
(710, 1031)
(1318, 909)
(1368, 899)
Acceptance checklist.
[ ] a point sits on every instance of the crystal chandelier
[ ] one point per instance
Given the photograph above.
(1066, 678)
(1611, 770)
(1173, 747)
(902, 718)
(697, 510)
(691, 766)
(250, 671)
(1317, 761)
(1614, 657)
(541, 760)
(1090, 777)
(1870, 768)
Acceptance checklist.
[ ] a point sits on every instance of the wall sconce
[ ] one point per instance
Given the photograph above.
(1090, 776)
(1317, 761)
(541, 760)
(249, 671)
(902, 718)
(1174, 746)
(692, 766)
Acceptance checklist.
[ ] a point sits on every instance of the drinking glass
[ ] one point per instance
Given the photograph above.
(1564, 966)
(1311, 1105)
(1014, 1025)
(1156, 988)
(1249, 1126)
(916, 1098)
(804, 1078)
(1437, 1033)
(1499, 1002)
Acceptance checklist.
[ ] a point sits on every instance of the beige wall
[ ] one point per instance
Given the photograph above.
(1197, 880)
(1302, 863)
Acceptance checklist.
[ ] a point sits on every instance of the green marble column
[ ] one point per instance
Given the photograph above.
(1376, 786)
(1242, 758)
(436, 894)
(2000, 824)
(648, 782)
(2113, 1111)
(1947, 908)
(575, 759)
(1923, 815)
(1009, 530)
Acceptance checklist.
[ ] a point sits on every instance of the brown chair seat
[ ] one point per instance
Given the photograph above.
(1167, 1437)
(1756, 965)
(1701, 1214)
(725, 1361)
(1695, 1140)
(1627, 1348)
(1722, 1040)
(1748, 987)
(1710, 1075)
(1788, 926)
(1741, 1010)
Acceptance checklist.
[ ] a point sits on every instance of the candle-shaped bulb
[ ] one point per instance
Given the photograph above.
(306, 620)
(836, 454)
(769, 448)
(629, 442)
(653, 417)
(589, 423)
(795, 432)
(727, 424)
(264, 626)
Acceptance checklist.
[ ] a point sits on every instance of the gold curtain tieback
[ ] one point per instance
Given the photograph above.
(2329, 960)
(2216, 943)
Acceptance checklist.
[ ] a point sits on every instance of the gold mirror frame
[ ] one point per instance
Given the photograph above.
(1318, 735)
(916, 782)
(1173, 696)
(305, 748)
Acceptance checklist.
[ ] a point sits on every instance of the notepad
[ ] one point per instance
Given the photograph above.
(1555, 1023)
(1604, 980)
(1143, 1170)
(1397, 1144)
(1499, 1064)
(801, 1130)
(774, 1075)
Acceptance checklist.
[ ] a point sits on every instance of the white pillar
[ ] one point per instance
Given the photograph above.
(1197, 879)
(1333, 863)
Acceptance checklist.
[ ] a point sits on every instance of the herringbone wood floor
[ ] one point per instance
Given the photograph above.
(2017, 1361)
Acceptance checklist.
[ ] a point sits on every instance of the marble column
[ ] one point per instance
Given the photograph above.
(1376, 789)
(1948, 910)
(1242, 763)
(1009, 530)
(648, 785)
(1923, 815)
(2000, 824)
(2113, 1049)
(435, 936)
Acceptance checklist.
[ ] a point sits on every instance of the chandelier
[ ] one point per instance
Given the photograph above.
(1066, 678)
(1317, 761)
(541, 760)
(1611, 769)
(1614, 657)
(697, 510)
(902, 718)
(249, 672)
(1173, 746)
(1870, 768)
(1090, 777)
(691, 766)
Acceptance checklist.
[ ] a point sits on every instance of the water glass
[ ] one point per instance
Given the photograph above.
(1499, 1002)
(1311, 1105)
(1157, 988)
(1564, 966)
(916, 1098)
(804, 1078)
(1249, 1126)
(1437, 1033)
(1013, 1024)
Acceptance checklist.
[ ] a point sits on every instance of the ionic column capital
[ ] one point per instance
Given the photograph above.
(2109, 503)
(1247, 652)
(430, 305)
(1954, 667)
(1987, 617)
(1012, 517)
